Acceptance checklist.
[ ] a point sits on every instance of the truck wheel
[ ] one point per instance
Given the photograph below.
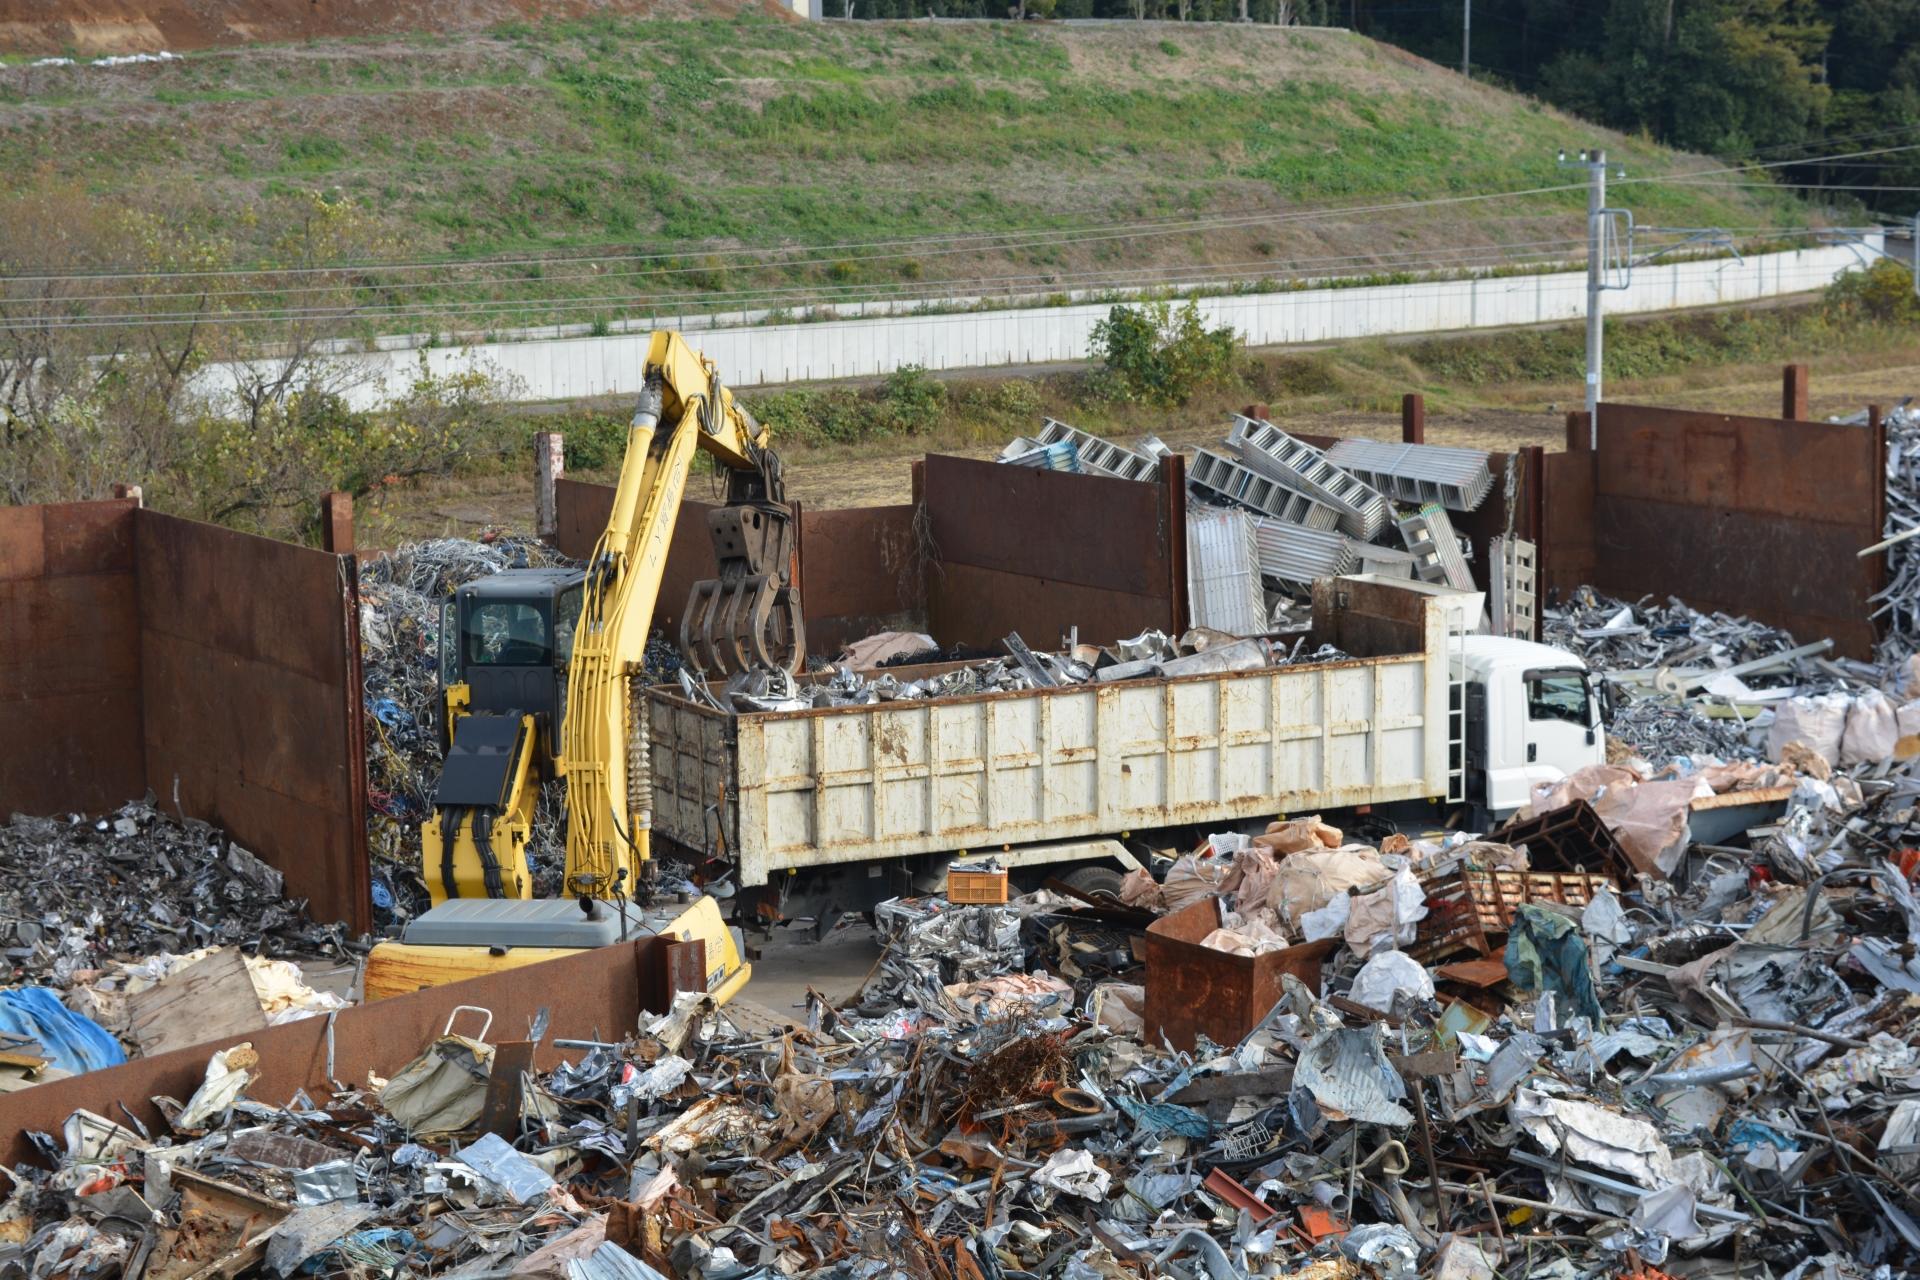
(1094, 880)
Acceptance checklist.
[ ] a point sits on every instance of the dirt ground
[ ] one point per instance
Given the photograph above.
(90, 27)
(877, 473)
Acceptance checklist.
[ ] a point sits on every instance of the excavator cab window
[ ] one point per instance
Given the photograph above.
(507, 633)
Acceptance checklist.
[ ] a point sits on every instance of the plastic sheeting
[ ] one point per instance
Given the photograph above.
(72, 1042)
(1545, 952)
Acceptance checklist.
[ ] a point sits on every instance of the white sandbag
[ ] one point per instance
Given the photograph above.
(1819, 722)
(1872, 732)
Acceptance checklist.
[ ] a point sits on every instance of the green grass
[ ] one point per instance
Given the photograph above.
(689, 136)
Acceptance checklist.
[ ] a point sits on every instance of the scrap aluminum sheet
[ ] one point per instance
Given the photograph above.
(1222, 479)
(1458, 479)
(1223, 571)
(1301, 467)
(1057, 455)
(1294, 553)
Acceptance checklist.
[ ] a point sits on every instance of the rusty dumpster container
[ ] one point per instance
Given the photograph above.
(1193, 989)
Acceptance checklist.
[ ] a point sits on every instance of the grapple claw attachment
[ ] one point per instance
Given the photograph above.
(749, 616)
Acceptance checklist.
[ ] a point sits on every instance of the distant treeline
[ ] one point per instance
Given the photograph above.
(1763, 80)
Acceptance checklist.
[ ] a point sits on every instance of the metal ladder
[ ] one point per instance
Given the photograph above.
(1301, 467)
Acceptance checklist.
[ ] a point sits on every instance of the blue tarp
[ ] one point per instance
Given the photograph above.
(73, 1042)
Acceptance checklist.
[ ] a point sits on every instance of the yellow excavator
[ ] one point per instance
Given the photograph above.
(541, 676)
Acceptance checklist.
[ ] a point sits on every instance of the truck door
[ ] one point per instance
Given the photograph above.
(1563, 725)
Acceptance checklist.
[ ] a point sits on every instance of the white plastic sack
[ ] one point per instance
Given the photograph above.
(1388, 974)
(1819, 722)
(1872, 732)
(1907, 718)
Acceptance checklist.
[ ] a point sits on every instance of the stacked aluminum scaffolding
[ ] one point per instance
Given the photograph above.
(1301, 467)
(1058, 455)
(1294, 553)
(1229, 481)
(1102, 457)
(1223, 571)
(1513, 587)
(1458, 479)
(1429, 535)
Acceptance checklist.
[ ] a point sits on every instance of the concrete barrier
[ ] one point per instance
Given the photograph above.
(760, 355)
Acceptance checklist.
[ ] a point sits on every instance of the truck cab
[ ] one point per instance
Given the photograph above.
(1534, 714)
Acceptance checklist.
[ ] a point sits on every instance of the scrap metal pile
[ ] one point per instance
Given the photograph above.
(79, 894)
(1567, 1049)
(1690, 683)
(400, 597)
(1898, 604)
(1151, 654)
(96, 913)
(1270, 511)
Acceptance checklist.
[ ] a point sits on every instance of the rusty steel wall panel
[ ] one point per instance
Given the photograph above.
(590, 996)
(252, 701)
(1094, 531)
(1567, 535)
(69, 658)
(1042, 551)
(580, 511)
(861, 572)
(1758, 516)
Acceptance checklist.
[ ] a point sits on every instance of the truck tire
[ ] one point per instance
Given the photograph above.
(1094, 880)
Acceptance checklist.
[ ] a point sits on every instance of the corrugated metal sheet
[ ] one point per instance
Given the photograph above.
(1301, 467)
(1294, 553)
(1458, 479)
(1223, 479)
(1223, 571)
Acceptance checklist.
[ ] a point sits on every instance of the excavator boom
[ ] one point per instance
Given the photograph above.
(511, 723)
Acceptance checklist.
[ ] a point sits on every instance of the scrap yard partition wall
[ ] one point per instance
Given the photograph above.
(220, 671)
(985, 549)
(1757, 516)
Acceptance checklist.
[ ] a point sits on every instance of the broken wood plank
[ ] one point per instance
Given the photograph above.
(211, 1000)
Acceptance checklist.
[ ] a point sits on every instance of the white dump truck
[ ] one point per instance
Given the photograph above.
(840, 806)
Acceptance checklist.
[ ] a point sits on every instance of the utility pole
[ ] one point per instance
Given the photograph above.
(1466, 38)
(1595, 163)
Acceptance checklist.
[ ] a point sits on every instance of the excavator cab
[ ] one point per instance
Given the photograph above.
(508, 639)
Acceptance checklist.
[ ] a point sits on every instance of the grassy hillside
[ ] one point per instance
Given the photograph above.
(690, 138)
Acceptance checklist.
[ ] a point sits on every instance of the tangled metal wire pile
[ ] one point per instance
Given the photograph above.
(1898, 604)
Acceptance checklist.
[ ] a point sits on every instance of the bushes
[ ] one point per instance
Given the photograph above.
(909, 401)
(1156, 355)
(1882, 293)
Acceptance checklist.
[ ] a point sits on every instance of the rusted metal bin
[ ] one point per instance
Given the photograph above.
(1193, 989)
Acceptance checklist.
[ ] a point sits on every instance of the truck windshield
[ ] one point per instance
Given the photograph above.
(1557, 695)
(507, 633)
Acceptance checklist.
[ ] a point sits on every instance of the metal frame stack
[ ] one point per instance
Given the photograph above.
(1221, 475)
(1295, 553)
(1102, 457)
(1429, 535)
(1513, 586)
(1458, 479)
(1301, 467)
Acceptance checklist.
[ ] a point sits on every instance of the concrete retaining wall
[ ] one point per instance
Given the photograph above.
(562, 369)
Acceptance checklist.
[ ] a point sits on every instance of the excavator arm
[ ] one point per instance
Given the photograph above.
(507, 640)
(753, 603)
